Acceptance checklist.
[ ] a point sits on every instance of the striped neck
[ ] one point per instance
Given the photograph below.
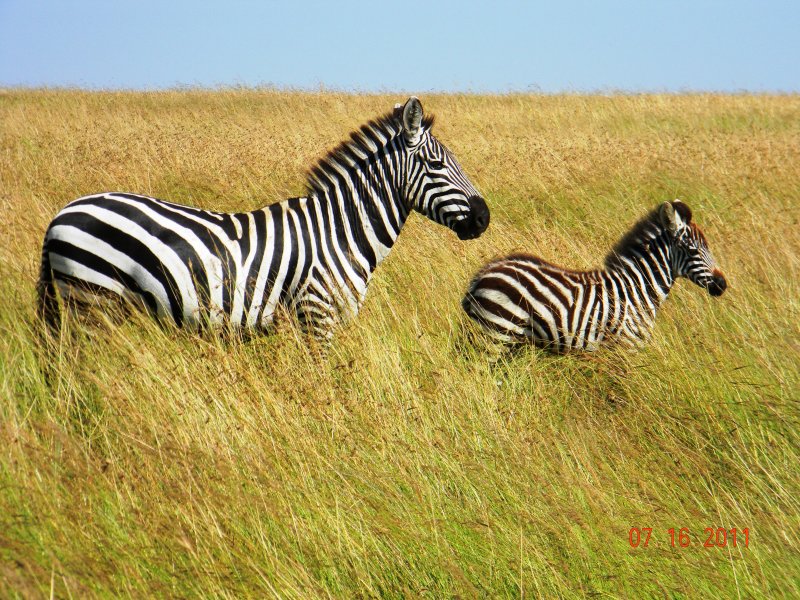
(643, 269)
(360, 184)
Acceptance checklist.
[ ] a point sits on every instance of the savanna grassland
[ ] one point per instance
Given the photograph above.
(415, 460)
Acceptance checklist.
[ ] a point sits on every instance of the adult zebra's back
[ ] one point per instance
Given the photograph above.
(314, 255)
(523, 297)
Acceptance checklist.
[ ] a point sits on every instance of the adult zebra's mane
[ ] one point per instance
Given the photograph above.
(645, 229)
(362, 147)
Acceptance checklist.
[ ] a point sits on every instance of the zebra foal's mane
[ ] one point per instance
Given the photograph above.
(361, 146)
(644, 230)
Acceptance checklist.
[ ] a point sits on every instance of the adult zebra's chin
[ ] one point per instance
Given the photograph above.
(476, 221)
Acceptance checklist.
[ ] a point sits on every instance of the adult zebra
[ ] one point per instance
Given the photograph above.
(522, 297)
(314, 255)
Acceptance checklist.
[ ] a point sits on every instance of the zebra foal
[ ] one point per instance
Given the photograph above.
(523, 297)
(313, 255)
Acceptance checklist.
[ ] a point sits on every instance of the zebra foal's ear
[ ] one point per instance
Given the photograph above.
(669, 218)
(674, 214)
(412, 120)
(684, 211)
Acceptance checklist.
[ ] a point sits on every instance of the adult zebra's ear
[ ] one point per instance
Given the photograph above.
(412, 120)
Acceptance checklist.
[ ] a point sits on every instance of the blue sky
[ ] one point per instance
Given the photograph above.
(644, 45)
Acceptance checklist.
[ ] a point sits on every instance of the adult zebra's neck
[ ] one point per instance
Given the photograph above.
(359, 188)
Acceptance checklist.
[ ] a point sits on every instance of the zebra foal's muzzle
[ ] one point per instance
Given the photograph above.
(476, 222)
(718, 283)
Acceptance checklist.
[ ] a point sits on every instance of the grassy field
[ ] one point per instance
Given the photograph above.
(412, 461)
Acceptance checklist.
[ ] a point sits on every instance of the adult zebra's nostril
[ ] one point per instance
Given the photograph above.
(480, 212)
(482, 220)
(476, 222)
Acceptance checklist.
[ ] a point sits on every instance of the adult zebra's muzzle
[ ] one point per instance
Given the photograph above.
(718, 283)
(476, 222)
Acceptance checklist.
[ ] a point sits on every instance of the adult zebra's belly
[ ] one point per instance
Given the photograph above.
(89, 270)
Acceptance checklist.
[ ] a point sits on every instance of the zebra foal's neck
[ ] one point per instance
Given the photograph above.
(640, 265)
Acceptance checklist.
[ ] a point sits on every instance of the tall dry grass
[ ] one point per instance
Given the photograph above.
(414, 460)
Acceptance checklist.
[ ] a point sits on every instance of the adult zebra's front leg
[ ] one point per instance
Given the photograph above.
(317, 314)
(325, 304)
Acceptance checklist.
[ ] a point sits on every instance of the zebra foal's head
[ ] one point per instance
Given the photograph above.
(691, 257)
(435, 185)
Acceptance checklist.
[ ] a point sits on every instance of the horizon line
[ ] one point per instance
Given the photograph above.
(324, 89)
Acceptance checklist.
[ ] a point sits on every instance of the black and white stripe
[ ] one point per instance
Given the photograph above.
(314, 255)
(523, 297)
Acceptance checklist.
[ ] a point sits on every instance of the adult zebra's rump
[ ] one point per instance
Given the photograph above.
(313, 255)
(523, 297)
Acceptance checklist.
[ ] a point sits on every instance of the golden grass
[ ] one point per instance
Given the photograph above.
(411, 461)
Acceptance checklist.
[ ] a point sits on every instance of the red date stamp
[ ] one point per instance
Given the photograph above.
(639, 537)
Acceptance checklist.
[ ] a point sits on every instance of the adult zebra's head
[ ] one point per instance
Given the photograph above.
(691, 257)
(435, 185)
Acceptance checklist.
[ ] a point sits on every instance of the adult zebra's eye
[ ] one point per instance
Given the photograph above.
(436, 165)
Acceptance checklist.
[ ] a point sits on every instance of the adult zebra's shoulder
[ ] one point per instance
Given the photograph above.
(314, 255)
(523, 297)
